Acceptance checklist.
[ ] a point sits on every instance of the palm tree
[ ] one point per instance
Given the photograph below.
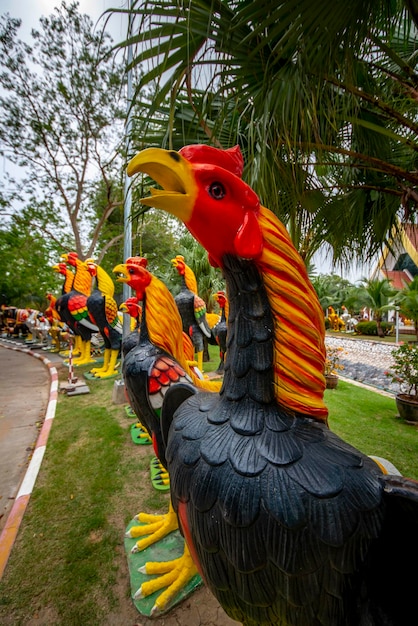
(322, 100)
(408, 302)
(331, 289)
(378, 296)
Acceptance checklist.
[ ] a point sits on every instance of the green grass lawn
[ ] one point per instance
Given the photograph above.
(68, 561)
(403, 337)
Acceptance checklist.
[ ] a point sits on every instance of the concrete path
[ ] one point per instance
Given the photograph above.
(28, 396)
(24, 393)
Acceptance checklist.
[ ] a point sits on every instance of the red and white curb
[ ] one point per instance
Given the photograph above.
(14, 519)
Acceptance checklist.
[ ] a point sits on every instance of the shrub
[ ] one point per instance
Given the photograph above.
(332, 361)
(405, 368)
(370, 328)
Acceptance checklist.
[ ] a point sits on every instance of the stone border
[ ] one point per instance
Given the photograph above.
(14, 519)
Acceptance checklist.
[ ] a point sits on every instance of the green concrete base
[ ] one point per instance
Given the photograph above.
(130, 413)
(90, 376)
(139, 435)
(157, 482)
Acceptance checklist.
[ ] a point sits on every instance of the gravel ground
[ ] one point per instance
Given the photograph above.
(365, 361)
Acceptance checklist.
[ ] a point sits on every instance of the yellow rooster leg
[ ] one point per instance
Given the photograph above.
(106, 360)
(77, 349)
(85, 357)
(174, 575)
(80, 358)
(111, 365)
(78, 345)
(156, 527)
(200, 360)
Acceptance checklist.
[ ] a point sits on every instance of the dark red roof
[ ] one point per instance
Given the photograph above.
(411, 231)
(398, 278)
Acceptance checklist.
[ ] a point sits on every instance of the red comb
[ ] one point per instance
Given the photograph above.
(230, 159)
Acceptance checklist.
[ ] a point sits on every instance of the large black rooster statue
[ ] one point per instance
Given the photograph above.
(288, 524)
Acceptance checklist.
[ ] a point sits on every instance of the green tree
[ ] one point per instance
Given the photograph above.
(322, 100)
(408, 302)
(331, 289)
(61, 113)
(379, 296)
(25, 265)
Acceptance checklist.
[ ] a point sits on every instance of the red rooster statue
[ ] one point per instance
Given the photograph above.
(158, 361)
(288, 524)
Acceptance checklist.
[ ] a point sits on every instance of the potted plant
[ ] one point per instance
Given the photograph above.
(332, 366)
(404, 371)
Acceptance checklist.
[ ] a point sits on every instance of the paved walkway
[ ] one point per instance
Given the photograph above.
(28, 393)
(365, 361)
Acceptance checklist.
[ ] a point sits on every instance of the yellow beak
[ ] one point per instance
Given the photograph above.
(174, 174)
(121, 272)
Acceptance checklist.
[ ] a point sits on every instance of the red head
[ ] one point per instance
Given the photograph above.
(135, 274)
(179, 264)
(202, 186)
(220, 297)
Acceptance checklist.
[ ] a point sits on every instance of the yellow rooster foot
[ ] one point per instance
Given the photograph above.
(101, 372)
(140, 435)
(171, 576)
(159, 476)
(106, 374)
(78, 362)
(152, 528)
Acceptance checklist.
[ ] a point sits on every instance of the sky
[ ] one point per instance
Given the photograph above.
(29, 11)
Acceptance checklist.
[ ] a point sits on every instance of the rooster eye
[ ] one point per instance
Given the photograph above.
(217, 191)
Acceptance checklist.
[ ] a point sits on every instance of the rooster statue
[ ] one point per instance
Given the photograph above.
(54, 321)
(159, 361)
(219, 330)
(192, 309)
(62, 326)
(103, 311)
(72, 307)
(288, 524)
(132, 307)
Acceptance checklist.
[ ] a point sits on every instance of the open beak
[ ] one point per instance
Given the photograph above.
(174, 174)
(121, 272)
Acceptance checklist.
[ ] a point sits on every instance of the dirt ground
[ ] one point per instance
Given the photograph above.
(199, 609)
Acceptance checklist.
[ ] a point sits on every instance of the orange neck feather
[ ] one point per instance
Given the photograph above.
(299, 344)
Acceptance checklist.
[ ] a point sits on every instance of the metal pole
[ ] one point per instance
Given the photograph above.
(118, 389)
(127, 224)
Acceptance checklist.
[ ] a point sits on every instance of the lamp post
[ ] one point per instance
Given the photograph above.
(118, 396)
(127, 224)
(397, 324)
